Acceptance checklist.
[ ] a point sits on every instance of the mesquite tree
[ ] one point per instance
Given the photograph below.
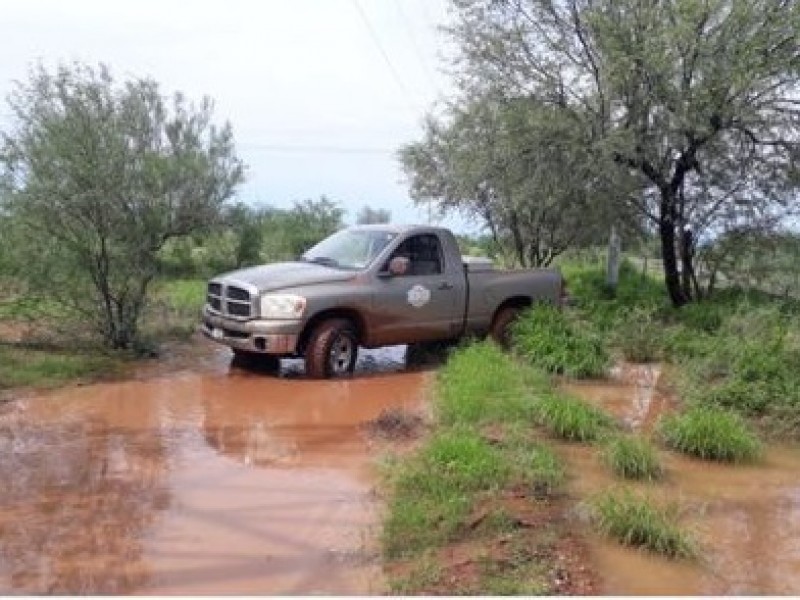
(100, 175)
(698, 99)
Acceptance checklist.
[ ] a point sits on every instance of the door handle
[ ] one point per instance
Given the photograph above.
(445, 286)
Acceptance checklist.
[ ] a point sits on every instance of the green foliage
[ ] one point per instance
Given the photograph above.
(99, 176)
(482, 384)
(639, 337)
(547, 338)
(633, 457)
(710, 433)
(636, 521)
(570, 418)
(48, 368)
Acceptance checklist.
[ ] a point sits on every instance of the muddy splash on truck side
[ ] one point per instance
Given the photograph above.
(217, 482)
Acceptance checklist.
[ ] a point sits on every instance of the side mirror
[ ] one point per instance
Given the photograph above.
(399, 266)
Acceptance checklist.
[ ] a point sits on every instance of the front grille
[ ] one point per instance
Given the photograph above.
(238, 309)
(235, 293)
(229, 300)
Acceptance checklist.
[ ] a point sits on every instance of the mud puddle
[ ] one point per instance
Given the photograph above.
(746, 519)
(210, 480)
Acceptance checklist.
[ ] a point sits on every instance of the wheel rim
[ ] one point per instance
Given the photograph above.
(341, 355)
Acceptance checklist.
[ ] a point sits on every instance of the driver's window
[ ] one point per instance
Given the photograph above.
(424, 253)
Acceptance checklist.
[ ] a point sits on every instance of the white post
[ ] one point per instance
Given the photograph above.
(612, 270)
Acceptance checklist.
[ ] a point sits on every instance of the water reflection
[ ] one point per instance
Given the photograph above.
(746, 517)
(75, 502)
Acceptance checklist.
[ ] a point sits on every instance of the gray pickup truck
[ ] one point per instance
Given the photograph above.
(369, 286)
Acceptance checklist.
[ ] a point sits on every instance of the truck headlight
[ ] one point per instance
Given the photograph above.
(282, 306)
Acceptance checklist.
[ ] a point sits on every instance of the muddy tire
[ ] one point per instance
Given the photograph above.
(332, 350)
(500, 331)
(255, 361)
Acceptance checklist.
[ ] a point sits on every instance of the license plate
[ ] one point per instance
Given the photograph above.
(217, 333)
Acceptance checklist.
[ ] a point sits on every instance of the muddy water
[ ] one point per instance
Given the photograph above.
(746, 519)
(210, 481)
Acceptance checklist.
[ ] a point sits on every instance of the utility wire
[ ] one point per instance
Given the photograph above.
(382, 51)
(313, 149)
(409, 31)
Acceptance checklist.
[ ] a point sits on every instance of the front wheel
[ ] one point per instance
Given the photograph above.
(332, 349)
(500, 330)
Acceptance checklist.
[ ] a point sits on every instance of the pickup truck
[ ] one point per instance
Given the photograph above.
(369, 286)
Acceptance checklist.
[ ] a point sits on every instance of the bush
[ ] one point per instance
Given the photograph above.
(570, 418)
(639, 337)
(548, 339)
(710, 433)
(636, 521)
(633, 458)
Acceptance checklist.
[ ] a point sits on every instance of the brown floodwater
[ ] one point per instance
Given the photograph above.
(209, 479)
(745, 518)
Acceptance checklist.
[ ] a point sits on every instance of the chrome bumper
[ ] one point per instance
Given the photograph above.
(265, 337)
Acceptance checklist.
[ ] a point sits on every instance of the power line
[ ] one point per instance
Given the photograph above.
(385, 56)
(409, 30)
(314, 149)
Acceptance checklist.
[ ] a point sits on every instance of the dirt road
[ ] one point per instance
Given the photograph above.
(208, 480)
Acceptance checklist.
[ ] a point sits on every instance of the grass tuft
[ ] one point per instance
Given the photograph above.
(480, 383)
(710, 433)
(636, 521)
(569, 418)
(633, 457)
(547, 338)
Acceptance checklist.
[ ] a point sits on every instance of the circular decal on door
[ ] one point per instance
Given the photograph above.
(419, 296)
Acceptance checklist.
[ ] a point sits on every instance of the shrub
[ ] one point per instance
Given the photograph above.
(639, 337)
(636, 521)
(548, 339)
(570, 418)
(633, 458)
(710, 433)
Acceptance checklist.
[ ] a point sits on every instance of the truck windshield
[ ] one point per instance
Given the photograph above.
(349, 249)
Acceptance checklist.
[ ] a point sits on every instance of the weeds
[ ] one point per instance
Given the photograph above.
(636, 521)
(482, 384)
(633, 458)
(549, 340)
(47, 368)
(571, 419)
(710, 433)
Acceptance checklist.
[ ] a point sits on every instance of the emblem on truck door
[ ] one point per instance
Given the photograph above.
(419, 296)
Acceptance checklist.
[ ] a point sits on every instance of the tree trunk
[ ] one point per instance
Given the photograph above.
(666, 230)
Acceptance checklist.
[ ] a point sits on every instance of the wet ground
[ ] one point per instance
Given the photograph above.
(208, 480)
(746, 518)
(200, 477)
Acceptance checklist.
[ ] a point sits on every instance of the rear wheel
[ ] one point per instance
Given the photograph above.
(500, 330)
(332, 349)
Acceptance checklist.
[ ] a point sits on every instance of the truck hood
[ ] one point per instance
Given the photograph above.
(277, 276)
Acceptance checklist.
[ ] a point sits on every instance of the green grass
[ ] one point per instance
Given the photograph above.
(480, 384)
(48, 368)
(482, 447)
(174, 309)
(710, 433)
(547, 338)
(633, 457)
(572, 419)
(636, 521)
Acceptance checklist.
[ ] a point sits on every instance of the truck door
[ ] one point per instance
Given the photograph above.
(427, 302)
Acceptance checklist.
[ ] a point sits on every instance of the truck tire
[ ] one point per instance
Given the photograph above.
(332, 349)
(500, 331)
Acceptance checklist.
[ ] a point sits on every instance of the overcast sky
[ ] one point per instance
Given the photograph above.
(320, 93)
